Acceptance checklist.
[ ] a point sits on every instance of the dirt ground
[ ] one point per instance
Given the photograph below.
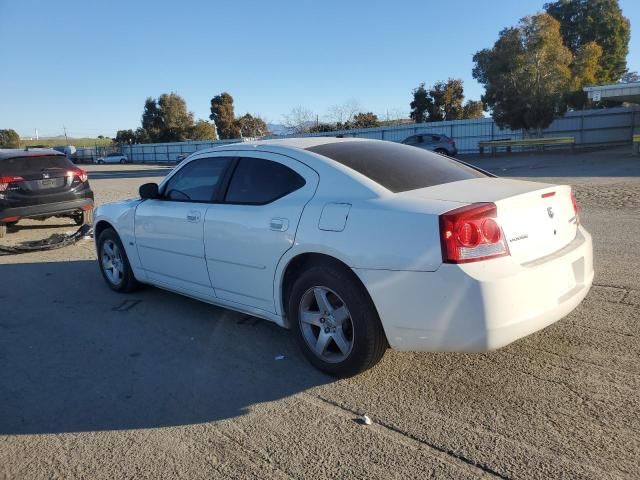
(94, 384)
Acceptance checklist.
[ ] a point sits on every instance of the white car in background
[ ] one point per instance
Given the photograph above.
(355, 245)
(113, 158)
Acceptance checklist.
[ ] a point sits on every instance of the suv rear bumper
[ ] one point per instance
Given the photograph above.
(48, 209)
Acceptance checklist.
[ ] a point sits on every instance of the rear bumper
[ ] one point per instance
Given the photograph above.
(480, 306)
(48, 209)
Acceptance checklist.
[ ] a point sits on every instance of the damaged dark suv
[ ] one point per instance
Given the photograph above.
(42, 183)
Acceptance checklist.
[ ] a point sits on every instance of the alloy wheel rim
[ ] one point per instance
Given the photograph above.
(326, 324)
(112, 263)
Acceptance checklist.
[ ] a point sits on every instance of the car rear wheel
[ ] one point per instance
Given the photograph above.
(335, 322)
(122, 161)
(441, 151)
(114, 263)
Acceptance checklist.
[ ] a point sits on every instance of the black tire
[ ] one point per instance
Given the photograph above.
(84, 218)
(441, 151)
(122, 161)
(100, 162)
(127, 281)
(368, 340)
(3, 230)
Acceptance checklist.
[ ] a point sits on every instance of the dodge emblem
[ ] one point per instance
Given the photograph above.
(550, 212)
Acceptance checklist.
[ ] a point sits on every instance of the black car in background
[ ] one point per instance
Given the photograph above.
(42, 183)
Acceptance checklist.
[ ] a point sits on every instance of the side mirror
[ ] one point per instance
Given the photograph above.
(148, 191)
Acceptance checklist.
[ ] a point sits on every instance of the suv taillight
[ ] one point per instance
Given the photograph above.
(451, 141)
(471, 233)
(576, 209)
(6, 181)
(78, 172)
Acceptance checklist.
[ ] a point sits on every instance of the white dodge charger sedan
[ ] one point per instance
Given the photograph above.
(355, 245)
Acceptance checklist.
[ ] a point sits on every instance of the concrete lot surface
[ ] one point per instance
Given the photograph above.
(94, 384)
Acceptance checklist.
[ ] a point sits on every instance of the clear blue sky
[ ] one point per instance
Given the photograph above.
(89, 65)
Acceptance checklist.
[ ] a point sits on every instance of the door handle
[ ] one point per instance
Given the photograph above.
(193, 216)
(279, 224)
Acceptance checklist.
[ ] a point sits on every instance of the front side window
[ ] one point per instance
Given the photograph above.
(257, 181)
(198, 181)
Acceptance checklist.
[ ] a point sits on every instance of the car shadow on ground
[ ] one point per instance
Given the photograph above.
(78, 357)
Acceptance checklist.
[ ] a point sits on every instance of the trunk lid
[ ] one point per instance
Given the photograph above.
(537, 218)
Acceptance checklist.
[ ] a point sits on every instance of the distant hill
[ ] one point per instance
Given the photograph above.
(278, 129)
(60, 141)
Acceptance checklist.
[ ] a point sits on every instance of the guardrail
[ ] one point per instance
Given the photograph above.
(526, 142)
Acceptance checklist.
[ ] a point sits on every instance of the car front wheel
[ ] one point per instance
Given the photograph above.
(114, 263)
(335, 322)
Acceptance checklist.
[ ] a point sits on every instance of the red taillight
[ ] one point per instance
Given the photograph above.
(576, 209)
(450, 141)
(78, 172)
(471, 233)
(6, 181)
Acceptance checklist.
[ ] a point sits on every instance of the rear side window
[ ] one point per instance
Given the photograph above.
(257, 181)
(27, 165)
(396, 167)
(197, 181)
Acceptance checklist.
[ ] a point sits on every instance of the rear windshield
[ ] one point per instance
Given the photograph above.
(397, 167)
(23, 165)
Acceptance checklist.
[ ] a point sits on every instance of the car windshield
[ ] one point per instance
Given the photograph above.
(22, 165)
(396, 167)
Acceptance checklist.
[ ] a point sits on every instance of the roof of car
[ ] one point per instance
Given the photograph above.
(6, 153)
(303, 143)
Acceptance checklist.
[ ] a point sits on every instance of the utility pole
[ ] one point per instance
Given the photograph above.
(65, 134)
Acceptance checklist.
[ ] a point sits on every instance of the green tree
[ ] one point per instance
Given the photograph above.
(526, 74)
(152, 119)
(223, 116)
(473, 109)
(443, 101)
(365, 120)
(251, 126)
(9, 138)
(585, 69)
(599, 21)
(125, 137)
(177, 121)
(420, 104)
(322, 127)
(630, 77)
(142, 136)
(203, 130)
(446, 101)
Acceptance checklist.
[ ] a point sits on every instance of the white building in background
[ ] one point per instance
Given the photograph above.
(621, 92)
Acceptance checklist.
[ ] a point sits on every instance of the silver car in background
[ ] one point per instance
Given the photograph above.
(434, 142)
